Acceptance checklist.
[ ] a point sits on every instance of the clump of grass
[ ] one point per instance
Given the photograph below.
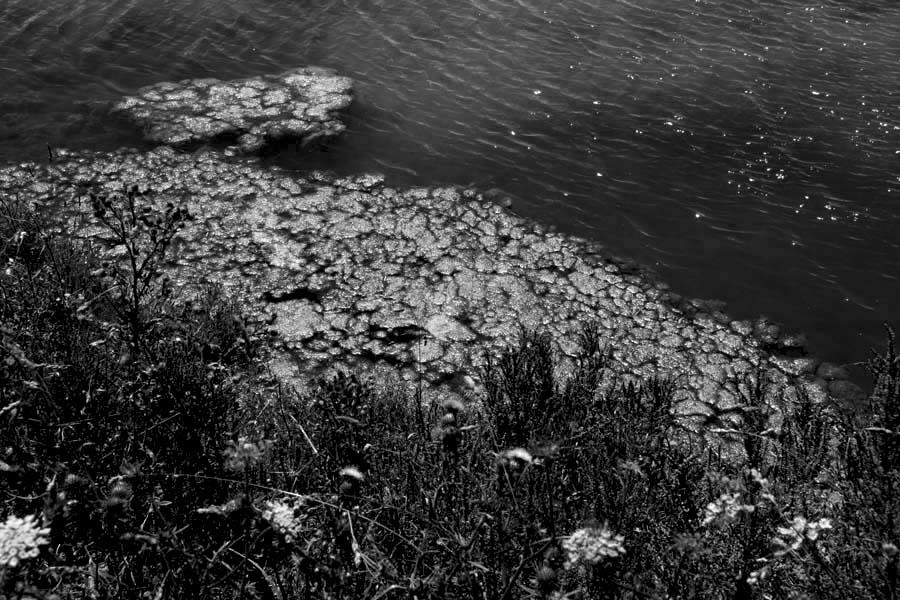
(111, 384)
(144, 454)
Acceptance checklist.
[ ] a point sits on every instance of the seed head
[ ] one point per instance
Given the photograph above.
(454, 406)
(514, 459)
(120, 494)
(519, 455)
(352, 473)
(546, 579)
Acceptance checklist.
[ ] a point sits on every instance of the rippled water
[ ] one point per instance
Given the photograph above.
(749, 150)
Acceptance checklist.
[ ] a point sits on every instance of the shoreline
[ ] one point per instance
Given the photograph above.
(349, 271)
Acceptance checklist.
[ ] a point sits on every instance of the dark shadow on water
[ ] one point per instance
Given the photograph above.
(219, 142)
(317, 155)
(406, 158)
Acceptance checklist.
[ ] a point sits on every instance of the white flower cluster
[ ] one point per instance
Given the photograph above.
(800, 530)
(244, 453)
(591, 545)
(20, 540)
(790, 540)
(283, 516)
(756, 577)
(221, 509)
(728, 505)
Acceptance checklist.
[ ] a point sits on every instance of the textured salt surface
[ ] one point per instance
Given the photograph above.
(425, 281)
(301, 103)
(349, 271)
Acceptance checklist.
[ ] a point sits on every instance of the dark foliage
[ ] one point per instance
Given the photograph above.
(161, 462)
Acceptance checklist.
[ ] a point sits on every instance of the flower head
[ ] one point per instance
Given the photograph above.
(284, 517)
(519, 455)
(727, 506)
(800, 530)
(243, 453)
(591, 545)
(20, 539)
(756, 577)
(513, 462)
(454, 406)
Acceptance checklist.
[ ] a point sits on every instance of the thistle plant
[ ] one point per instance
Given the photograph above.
(449, 432)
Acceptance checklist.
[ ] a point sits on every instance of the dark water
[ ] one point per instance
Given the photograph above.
(749, 150)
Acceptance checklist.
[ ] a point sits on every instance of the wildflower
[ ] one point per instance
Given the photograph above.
(763, 483)
(728, 506)
(283, 517)
(20, 539)
(222, 509)
(813, 529)
(352, 473)
(591, 545)
(799, 531)
(757, 477)
(758, 575)
(243, 453)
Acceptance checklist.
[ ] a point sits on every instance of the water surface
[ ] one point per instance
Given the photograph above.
(748, 150)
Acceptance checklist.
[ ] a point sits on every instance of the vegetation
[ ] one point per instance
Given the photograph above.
(144, 453)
